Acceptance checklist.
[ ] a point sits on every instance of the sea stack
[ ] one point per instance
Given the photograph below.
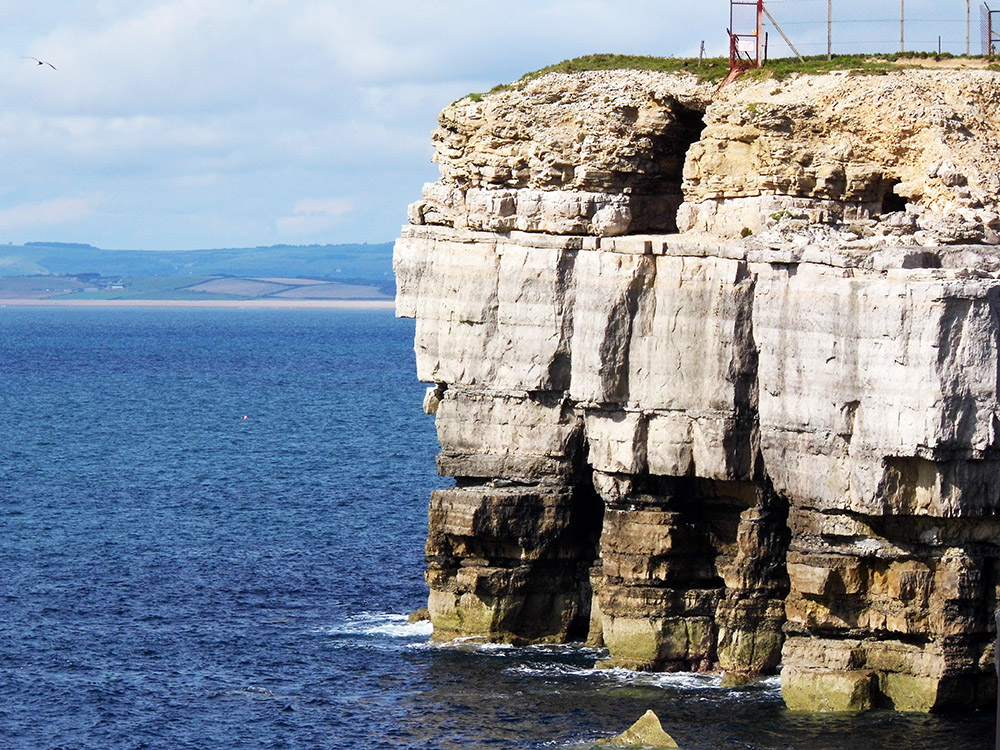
(717, 374)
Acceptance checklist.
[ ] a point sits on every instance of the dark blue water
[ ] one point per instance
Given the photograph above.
(173, 575)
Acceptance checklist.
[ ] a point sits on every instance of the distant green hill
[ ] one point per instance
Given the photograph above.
(275, 289)
(364, 264)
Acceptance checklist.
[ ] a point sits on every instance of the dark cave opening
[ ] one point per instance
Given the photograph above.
(656, 193)
(893, 202)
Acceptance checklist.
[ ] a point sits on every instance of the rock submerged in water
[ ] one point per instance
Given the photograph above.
(647, 732)
(419, 615)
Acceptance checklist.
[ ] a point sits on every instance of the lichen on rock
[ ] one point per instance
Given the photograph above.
(712, 452)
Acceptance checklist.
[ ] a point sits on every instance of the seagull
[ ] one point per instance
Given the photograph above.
(40, 62)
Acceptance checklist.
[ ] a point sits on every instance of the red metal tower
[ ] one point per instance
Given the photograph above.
(746, 36)
(990, 24)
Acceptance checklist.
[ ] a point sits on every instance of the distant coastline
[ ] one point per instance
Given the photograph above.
(310, 304)
(309, 277)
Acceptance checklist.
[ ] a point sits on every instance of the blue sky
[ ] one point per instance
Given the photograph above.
(180, 124)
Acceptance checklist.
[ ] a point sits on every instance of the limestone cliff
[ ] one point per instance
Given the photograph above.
(717, 376)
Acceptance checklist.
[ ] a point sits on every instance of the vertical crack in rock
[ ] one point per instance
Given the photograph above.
(616, 336)
(751, 615)
(561, 364)
(657, 189)
(693, 570)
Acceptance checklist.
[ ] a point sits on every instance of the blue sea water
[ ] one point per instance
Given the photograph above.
(212, 527)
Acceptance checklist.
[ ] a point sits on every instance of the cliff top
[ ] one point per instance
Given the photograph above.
(714, 69)
(894, 151)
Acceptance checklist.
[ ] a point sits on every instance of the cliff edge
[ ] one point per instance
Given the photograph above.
(717, 376)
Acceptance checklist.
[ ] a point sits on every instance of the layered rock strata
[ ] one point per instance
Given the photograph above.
(717, 378)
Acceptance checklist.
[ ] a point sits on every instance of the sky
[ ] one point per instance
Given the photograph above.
(185, 124)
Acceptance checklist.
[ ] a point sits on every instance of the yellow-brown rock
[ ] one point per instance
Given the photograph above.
(646, 732)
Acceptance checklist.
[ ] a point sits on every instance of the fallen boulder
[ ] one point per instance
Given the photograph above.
(647, 732)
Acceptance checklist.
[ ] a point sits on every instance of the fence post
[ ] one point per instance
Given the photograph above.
(902, 25)
(829, 29)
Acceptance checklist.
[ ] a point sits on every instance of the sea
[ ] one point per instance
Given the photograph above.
(211, 533)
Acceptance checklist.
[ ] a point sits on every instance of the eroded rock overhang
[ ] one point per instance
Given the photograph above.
(705, 451)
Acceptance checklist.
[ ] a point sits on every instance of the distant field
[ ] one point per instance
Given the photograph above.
(295, 282)
(245, 288)
(328, 291)
(39, 287)
(186, 288)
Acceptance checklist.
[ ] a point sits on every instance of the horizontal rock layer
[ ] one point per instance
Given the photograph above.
(706, 452)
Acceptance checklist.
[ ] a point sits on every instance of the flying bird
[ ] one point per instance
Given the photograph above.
(40, 62)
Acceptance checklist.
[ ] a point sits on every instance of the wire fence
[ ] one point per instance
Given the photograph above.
(989, 22)
(855, 26)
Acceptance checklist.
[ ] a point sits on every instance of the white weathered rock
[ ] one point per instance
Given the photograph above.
(904, 366)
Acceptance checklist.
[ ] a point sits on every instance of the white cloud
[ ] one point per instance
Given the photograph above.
(197, 122)
(313, 215)
(61, 211)
(326, 206)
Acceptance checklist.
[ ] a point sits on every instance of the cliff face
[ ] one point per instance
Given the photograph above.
(717, 377)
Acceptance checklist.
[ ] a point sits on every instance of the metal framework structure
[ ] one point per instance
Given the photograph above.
(989, 23)
(748, 42)
(745, 45)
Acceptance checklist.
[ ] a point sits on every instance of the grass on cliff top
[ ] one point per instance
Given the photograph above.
(714, 69)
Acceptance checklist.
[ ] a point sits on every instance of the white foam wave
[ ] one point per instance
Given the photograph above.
(479, 644)
(553, 670)
(475, 643)
(567, 649)
(380, 624)
(404, 629)
(686, 681)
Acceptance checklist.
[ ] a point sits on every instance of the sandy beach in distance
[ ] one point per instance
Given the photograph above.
(312, 304)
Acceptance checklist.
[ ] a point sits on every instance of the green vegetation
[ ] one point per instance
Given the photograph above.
(714, 69)
(150, 284)
(783, 67)
(159, 296)
(710, 69)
